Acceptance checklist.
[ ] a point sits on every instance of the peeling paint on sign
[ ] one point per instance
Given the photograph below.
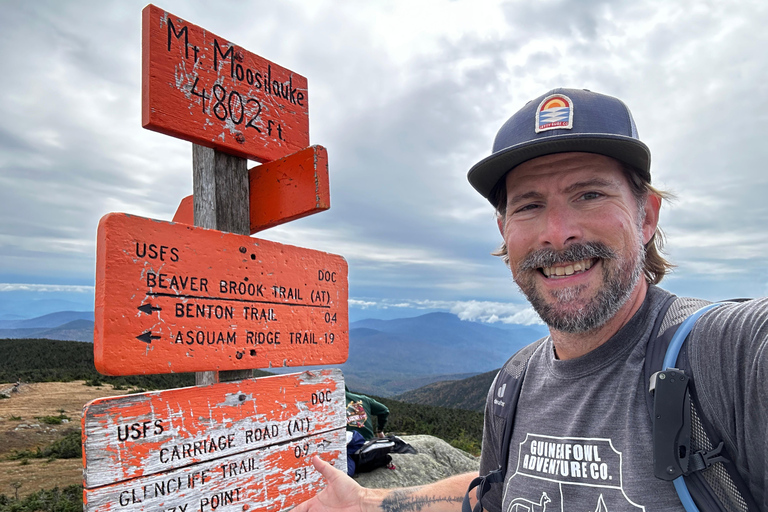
(224, 447)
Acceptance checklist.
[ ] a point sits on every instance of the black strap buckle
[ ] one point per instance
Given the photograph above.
(702, 460)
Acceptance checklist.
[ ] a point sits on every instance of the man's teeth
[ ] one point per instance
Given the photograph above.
(567, 270)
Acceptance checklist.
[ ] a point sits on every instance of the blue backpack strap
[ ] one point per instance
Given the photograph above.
(506, 391)
(671, 430)
(671, 392)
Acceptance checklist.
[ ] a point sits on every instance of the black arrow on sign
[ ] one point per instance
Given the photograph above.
(147, 337)
(149, 308)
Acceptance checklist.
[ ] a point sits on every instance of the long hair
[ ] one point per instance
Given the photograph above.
(655, 266)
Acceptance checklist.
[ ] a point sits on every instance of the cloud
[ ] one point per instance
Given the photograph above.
(475, 311)
(46, 288)
(493, 312)
(406, 98)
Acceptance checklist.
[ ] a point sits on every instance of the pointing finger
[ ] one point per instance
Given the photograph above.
(324, 468)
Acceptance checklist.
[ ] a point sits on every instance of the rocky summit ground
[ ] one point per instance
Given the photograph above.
(21, 429)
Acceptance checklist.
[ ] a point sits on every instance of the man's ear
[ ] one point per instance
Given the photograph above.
(500, 223)
(651, 221)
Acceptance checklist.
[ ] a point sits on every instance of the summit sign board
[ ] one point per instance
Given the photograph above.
(202, 88)
(175, 298)
(227, 447)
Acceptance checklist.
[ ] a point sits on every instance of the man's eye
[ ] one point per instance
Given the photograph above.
(526, 208)
(591, 195)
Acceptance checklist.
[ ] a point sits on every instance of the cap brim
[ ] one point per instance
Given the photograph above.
(485, 174)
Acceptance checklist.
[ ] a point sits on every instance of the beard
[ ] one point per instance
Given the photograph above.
(565, 311)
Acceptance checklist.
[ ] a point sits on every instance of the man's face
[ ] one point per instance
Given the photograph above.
(575, 237)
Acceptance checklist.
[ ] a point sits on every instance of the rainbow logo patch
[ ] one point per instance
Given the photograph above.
(555, 112)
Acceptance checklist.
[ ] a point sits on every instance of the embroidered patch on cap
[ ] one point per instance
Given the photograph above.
(555, 112)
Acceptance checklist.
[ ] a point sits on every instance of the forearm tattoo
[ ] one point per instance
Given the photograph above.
(406, 501)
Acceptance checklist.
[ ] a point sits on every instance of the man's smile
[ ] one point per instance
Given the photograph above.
(567, 269)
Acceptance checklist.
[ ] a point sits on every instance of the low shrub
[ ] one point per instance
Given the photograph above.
(68, 499)
(68, 447)
(52, 420)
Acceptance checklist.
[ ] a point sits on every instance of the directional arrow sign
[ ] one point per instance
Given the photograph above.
(281, 191)
(202, 88)
(176, 298)
(147, 337)
(148, 308)
(227, 447)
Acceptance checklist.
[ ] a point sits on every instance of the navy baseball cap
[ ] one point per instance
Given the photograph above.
(560, 121)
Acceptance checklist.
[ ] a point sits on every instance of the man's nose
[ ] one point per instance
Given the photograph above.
(561, 227)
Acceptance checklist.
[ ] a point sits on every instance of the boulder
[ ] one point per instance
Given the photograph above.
(436, 460)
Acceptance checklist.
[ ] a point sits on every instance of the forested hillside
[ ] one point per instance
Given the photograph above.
(462, 429)
(466, 394)
(42, 360)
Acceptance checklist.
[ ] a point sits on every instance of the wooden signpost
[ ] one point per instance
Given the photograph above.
(286, 189)
(247, 446)
(172, 297)
(175, 298)
(199, 87)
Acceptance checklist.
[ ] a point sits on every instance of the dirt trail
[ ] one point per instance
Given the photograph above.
(21, 430)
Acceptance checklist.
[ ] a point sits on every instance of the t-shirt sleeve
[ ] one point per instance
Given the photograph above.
(728, 352)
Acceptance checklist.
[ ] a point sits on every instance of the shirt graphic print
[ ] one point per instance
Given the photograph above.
(565, 473)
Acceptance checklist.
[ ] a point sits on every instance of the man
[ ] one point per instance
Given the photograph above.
(571, 184)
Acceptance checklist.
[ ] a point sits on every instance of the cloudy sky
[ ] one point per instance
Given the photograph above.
(406, 95)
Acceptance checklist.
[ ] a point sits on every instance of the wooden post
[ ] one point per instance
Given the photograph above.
(220, 191)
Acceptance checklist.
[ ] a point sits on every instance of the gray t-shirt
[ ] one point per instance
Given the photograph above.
(582, 436)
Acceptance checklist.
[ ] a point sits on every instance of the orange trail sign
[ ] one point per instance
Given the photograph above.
(228, 447)
(175, 298)
(281, 191)
(202, 88)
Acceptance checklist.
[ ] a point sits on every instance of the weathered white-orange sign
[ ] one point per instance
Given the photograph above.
(226, 447)
(202, 88)
(176, 298)
(281, 191)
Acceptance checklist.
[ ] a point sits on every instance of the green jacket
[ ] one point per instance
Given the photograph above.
(360, 408)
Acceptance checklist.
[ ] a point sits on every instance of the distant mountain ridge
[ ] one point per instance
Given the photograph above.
(50, 320)
(386, 357)
(62, 325)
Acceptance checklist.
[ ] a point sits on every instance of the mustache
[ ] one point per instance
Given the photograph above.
(579, 251)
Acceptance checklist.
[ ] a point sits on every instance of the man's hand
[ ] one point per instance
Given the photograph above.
(345, 495)
(341, 495)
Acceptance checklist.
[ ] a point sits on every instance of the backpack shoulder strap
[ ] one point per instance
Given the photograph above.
(506, 393)
(685, 445)
(672, 313)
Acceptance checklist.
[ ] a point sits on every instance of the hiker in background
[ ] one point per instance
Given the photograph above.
(360, 410)
(363, 454)
(571, 184)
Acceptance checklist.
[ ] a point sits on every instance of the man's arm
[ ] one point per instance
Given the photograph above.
(381, 412)
(343, 494)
